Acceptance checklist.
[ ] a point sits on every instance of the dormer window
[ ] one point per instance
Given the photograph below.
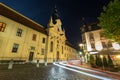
(89, 28)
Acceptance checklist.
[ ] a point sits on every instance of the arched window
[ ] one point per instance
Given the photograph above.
(51, 46)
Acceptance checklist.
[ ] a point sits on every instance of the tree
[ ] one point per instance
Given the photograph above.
(109, 20)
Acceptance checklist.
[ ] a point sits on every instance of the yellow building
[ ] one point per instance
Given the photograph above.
(22, 39)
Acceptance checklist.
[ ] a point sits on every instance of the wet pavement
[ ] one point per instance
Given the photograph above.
(31, 72)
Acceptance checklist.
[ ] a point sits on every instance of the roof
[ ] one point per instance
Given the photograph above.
(91, 27)
(14, 15)
(69, 44)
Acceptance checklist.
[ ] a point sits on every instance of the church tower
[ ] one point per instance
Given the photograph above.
(56, 37)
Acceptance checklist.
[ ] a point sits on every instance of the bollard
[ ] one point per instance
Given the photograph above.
(10, 64)
(37, 64)
(45, 63)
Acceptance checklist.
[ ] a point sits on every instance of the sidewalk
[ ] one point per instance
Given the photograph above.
(109, 73)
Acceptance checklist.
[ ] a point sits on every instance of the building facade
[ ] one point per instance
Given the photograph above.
(96, 43)
(22, 39)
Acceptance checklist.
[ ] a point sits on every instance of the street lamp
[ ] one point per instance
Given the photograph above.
(101, 56)
(81, 52)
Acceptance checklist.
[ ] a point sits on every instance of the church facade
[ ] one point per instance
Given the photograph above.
(22, 39)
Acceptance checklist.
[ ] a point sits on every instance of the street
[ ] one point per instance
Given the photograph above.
(50, 72)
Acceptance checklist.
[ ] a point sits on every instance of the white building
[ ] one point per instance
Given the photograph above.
(95, 42)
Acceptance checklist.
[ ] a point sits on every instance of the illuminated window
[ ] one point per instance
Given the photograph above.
(19, 32)
(51, 47)
(15, 47)
(34, 37)
(2, 27)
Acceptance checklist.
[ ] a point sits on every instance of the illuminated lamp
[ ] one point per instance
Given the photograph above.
(101, 56)
(93, 52)
(116, 46)
(118, 56)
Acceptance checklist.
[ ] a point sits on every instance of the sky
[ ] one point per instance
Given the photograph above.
(70, 12)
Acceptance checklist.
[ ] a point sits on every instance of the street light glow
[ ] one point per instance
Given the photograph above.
(101, 56)
(118, 56)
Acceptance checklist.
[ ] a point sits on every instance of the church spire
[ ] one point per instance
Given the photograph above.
(83, 21)
(55, 15)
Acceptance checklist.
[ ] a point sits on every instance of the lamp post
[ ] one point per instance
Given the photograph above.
(81, 52)
(101, 56)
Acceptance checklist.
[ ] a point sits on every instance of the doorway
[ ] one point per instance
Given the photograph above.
(57, 56)
(31, 56)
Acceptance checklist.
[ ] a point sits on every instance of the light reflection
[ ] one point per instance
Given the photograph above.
(96, 76)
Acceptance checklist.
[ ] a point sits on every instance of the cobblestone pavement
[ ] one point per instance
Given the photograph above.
(31, 72)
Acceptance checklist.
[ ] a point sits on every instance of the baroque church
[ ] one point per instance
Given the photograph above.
(24, 40)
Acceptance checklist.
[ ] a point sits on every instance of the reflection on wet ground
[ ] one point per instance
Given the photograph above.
(31, 72)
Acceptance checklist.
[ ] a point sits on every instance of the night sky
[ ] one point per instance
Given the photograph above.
(70, 12)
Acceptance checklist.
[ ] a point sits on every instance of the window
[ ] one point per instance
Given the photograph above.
(57, 41)
(91, 36)
(102, 35)
(42, 51)
(51, 47)
(109, 44)
(43, 41)
(15, 47)
(104, 45)
(19, 32)
(34, 37)
(2, 27)
(32, 48)
(92, 45)
(89, 28)
(62, 49)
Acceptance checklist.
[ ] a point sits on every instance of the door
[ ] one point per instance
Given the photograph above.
(31, 56)
(57, 56)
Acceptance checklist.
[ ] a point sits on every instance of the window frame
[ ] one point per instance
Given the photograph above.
(19, 32)
(2, 27)
(15, 48)
(34, 37)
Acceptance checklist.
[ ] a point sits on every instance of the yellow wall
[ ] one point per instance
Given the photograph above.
(8, 38)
